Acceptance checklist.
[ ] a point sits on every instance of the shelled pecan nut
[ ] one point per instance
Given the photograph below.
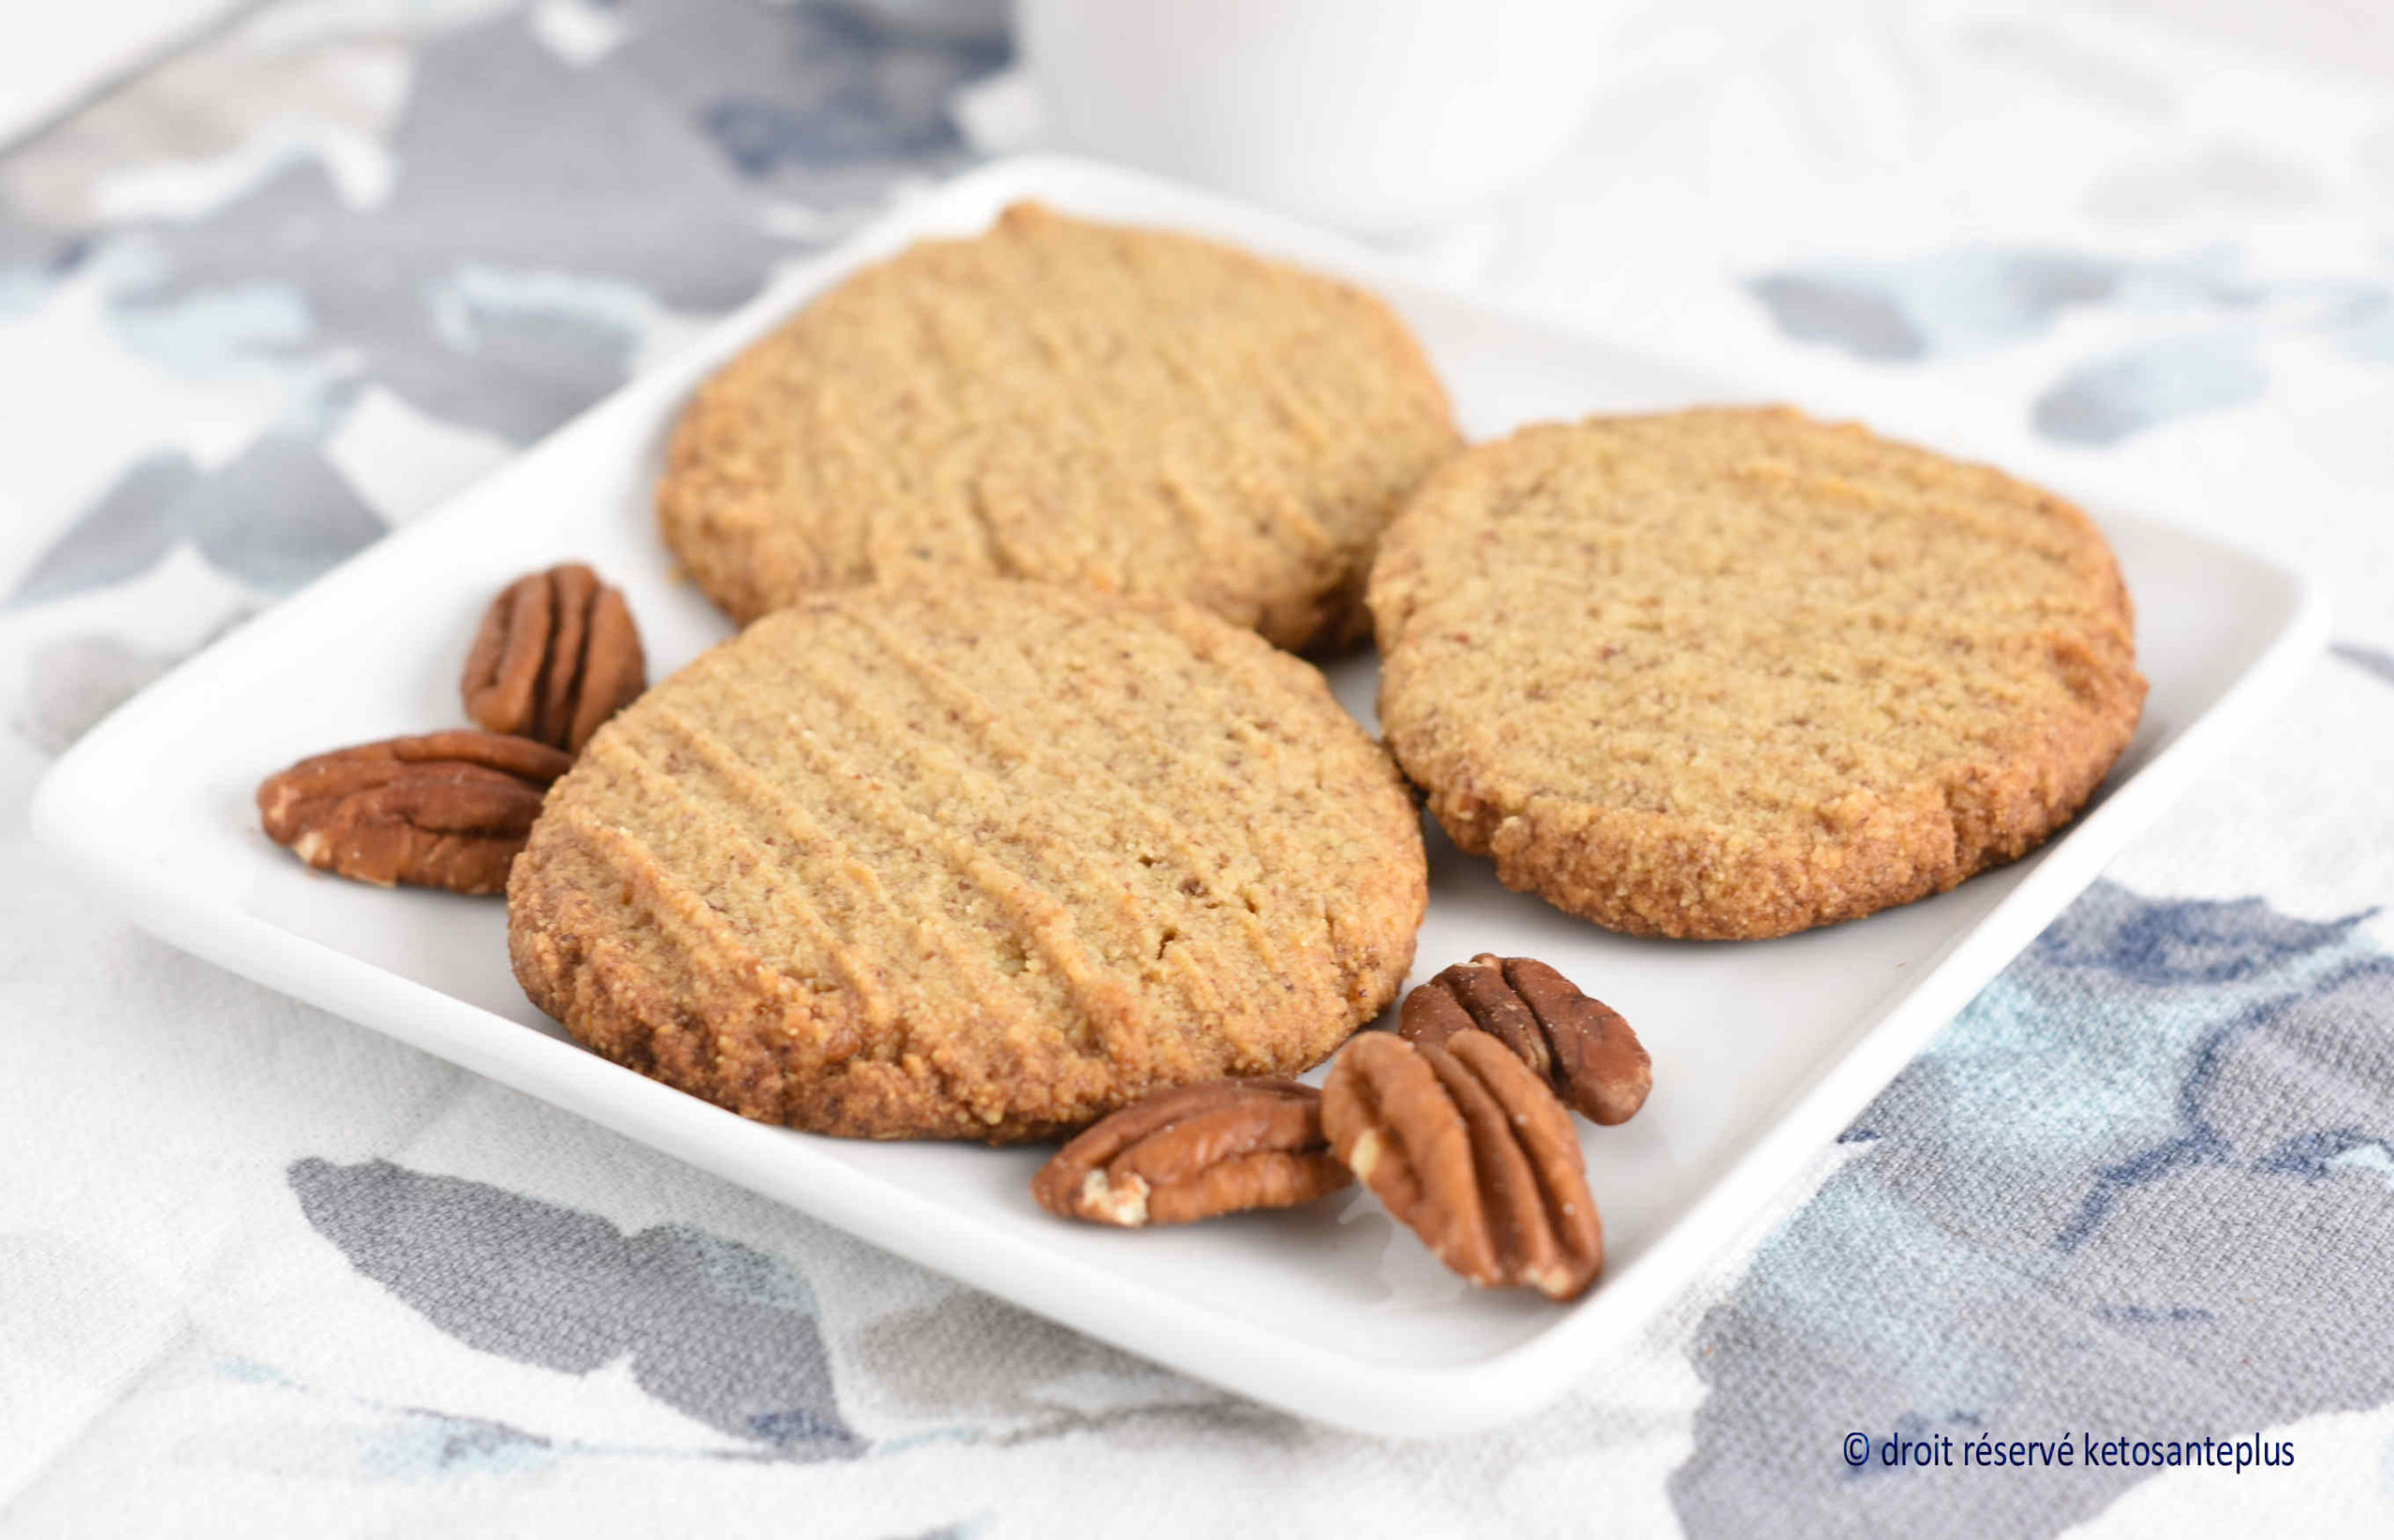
(448, 809)
(1192, 1153)
(556, 656)
(1471, 1151)
(1578, 1044)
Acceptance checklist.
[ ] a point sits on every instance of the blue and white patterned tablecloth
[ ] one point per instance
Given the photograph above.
(261, 1270)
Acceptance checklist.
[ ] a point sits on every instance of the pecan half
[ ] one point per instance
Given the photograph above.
(1473, 1153)
(1194, 1153)
(556, 656)
(1578, 1045)
(448, 809)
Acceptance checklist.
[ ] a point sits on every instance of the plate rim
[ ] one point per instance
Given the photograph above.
(1382, 1398)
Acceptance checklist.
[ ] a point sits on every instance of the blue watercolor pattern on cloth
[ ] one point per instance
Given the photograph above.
(2105, 402)
(293, 1429)
(473, 291)
(2144, 1187)
(545, 217)
(1975, 299)
(718, 1330)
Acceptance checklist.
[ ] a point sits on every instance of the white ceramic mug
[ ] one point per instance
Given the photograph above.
(1384, 116)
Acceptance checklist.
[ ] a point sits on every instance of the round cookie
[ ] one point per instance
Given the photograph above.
(970, 858)
(1732, 673)
(1127, 409)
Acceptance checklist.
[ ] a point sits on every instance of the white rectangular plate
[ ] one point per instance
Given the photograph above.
(1762, 1051)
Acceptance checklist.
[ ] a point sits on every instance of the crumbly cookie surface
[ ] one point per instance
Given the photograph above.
(1129, 410)
(970, 858)
(1732, 673)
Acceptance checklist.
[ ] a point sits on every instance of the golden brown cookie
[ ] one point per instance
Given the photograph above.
(1732, 673)
(970, 858)
(1127, 409)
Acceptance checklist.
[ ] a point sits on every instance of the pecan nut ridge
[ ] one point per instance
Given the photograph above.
(1192, 1153)
(1388, 1117)
(556, 656)
(1471, 1151)
(1580, 1045)
(448, 809)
